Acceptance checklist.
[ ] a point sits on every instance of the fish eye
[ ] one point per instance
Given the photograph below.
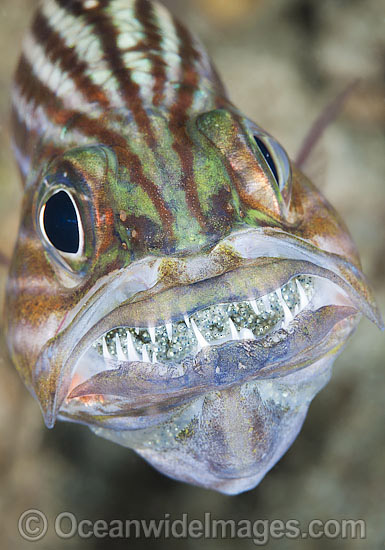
(60, 223)
(277, 161)
(268, 158)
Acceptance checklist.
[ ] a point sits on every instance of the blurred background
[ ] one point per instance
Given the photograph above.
(283, 61)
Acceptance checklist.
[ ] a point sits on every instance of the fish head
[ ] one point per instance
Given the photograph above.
(185, 298)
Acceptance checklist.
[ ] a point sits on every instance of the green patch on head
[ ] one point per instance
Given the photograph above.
(132, 199)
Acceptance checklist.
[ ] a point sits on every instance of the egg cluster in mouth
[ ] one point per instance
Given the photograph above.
(213, 325)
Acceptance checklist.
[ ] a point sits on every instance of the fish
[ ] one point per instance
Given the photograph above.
(178, 285)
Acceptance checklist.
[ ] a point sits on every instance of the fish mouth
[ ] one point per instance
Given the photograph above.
(278, 306)
(174, 340)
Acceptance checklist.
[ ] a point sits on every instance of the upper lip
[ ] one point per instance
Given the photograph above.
(288, 256)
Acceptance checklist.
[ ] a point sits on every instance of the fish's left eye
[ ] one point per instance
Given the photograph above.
(276, 161)
(268, 158)
(60, 223)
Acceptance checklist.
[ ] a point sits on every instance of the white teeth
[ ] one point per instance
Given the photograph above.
(106, 353)
(202, 343)
(151, 331)
(246, 334)
(131, 351)
(169, 330)
(266, 303)
(119, 351)
(234, 332)
(286, 311)
(253, 304)
(273, 310)
(302, 295)
(145, 356)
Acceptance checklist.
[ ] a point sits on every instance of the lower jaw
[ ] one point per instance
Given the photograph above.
(225, 429)
(247, 430)
(227, 440)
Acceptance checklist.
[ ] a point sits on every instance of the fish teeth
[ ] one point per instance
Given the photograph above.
(202, 342)
(246, 334)
(119, 350)
(234, 332)
(169, 330)
(266, 303)
(151, 331)
(302, 295)
(288, 316)
(106, 353)
(254, 305)
(273, 308)
(131, 351)
(145, 356)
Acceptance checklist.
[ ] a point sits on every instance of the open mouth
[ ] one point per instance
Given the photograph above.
(141, 340)
(168, 351)
(214, 325)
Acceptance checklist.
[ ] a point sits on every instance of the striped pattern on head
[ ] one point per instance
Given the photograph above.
(83, 58)
(125, 74)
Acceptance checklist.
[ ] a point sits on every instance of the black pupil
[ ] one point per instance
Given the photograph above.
(61, 223)
(268, 157)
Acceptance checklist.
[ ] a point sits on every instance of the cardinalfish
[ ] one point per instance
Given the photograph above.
(178, 285)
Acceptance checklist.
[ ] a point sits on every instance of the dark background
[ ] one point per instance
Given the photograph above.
(282, 61)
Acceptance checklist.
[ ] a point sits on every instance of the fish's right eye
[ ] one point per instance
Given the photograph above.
(60, 223)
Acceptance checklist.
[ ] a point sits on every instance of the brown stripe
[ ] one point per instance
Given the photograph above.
(179, 117)
(34, 90)
(58, 52)
(104, 28)
(133, 164)
(152, 45)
